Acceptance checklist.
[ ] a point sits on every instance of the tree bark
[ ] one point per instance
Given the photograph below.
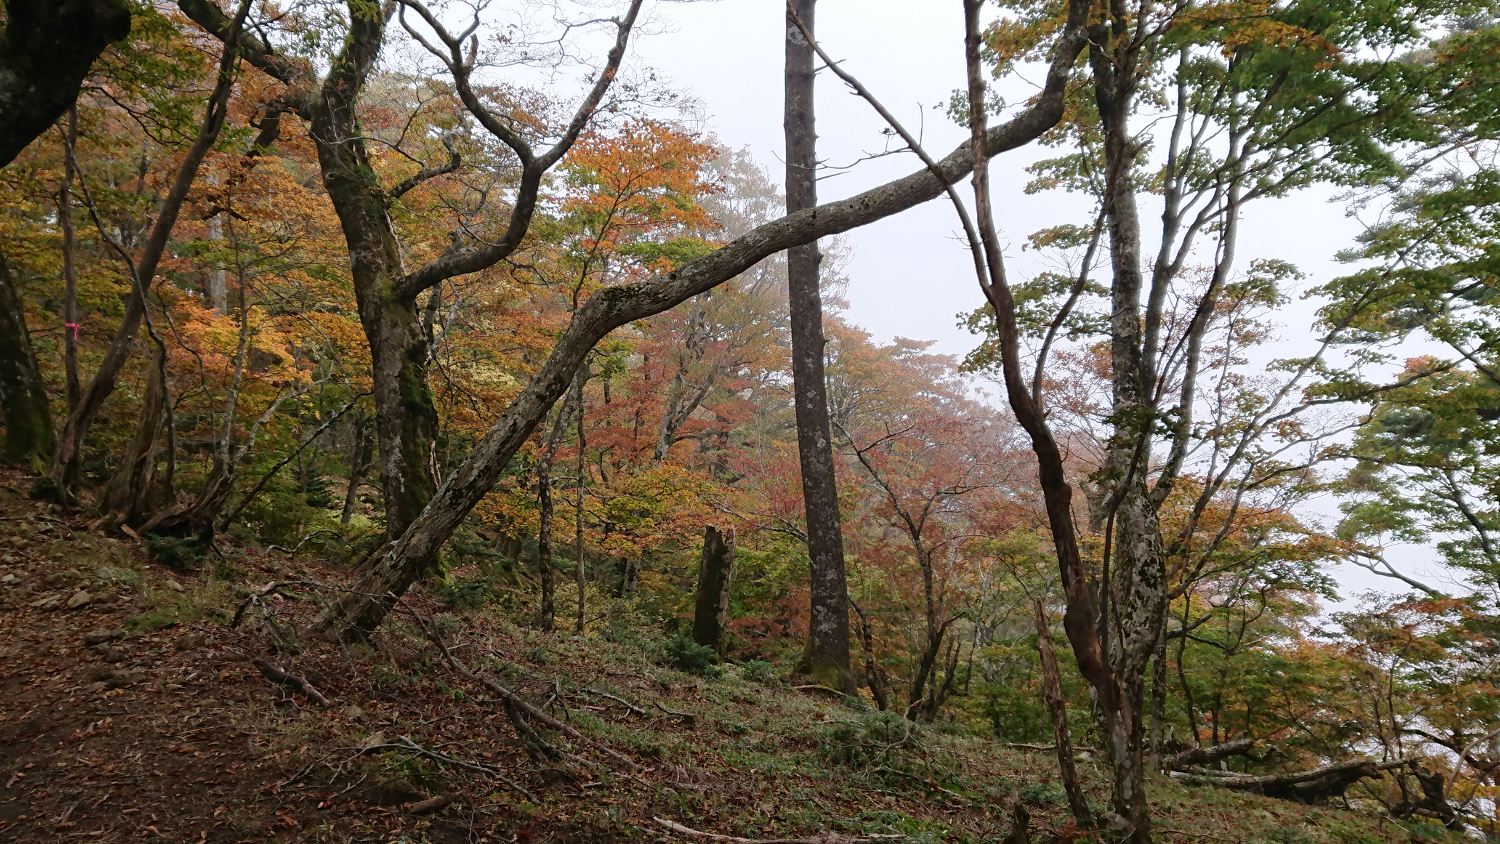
(826, 658)
(29, 437)
(70, 269)
(46, 51)
(547, 613)
(1062, 736)
(715, 577)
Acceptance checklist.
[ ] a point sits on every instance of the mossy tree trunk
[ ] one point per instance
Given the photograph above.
(715, 577)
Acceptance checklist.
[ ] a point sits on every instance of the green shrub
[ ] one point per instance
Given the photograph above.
(691, 656)
(468, 593)
(175, 552)
(875, 739)
(762, 672)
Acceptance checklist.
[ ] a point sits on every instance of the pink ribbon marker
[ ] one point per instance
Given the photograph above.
(74, 326)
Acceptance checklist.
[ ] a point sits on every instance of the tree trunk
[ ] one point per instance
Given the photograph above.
(1062, 736)
(715, 576)
(579, 574)
(29, 437)
(827, 656)
(126, 500)
(873, 675)
(359, 463)
(70, 269)
(1158, 702)
(547, 613)
(46, 51)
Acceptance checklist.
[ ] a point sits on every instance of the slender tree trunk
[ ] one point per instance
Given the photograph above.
(873, 675)
(29, 437)
(65, 461)
(579, 573)
(70, 269)
(547, 613)
(1061, 734)
(715, 578)
(827, 656)
(359, 463)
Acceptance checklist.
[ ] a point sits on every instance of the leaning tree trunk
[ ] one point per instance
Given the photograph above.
(1061, 735)
(29, 437)
(827, 656)
(715, 576)
(45, 53)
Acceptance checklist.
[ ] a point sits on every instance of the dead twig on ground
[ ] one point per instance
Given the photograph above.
(688, 718)
(820, 838)
(277, 675)
(634, 710)
(531, 712)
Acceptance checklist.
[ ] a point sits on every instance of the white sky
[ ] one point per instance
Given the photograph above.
(908, 274)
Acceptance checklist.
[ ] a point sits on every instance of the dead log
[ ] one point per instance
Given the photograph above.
(1208, 755)
(430, 805)
(276, 675)
(1314, 787)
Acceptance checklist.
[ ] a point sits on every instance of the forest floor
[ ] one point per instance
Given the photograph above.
(130, 709)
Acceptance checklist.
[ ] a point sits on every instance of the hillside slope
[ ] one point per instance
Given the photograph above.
(131, 710)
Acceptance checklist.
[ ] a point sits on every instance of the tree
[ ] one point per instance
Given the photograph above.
(406, 418)
(46, 50)
(827, 657)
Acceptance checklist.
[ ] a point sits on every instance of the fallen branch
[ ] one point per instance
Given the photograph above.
(820, 838)
(688, 718)
(1313, 786)
(276, 675)
(1208, 755)
(634, 710)
(405, 743)
(430, 805)
(520, 703)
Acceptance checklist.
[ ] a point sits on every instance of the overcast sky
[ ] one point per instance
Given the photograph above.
(908, 275)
